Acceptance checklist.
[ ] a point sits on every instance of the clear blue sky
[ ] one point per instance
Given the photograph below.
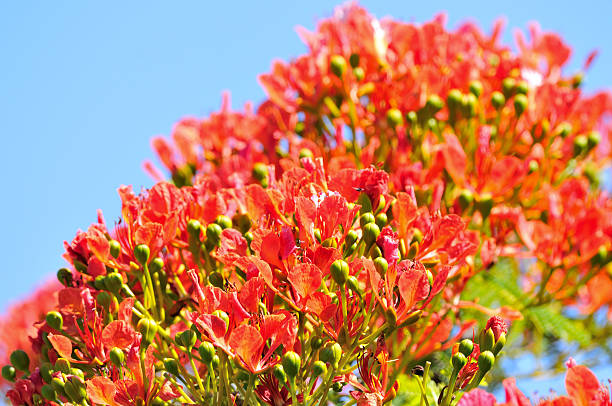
(85, 85)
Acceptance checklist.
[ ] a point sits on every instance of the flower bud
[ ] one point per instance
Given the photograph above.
(279, 373)
(454, 100)
(156, 265)
(381, 266)
(593, 139)
(508, 87)
(353, 284)
(62, 365)
(215, 361)
(337, 65)
(73, 390)
(115, 248)
(498, 100)
(370, 233)
(487, 340)
(366, 218)
(248, 236)
(412, 117)
(466, 346)
(465, 199)
(520, 104)
(394, 118)
(484, 204)
(242, 222)
(521, 88)
(458, 361)
(54, 320)
(223, 316)
(339, 270)
(117, 357)
(581, 143)
(319, 369)
(187, 339)
(359, 73)
(260, 171)
(434, 104)
(499, 344)
(306, 153)
(207, 352)
(216, 279)
(533, 166)
(148, 329)
(194, 227)
(99, 282)
(476, 88)
(330, 243)
(381, 220)
(366, 204)
(601, 257)
(331, 353)
(77, 372)
(9, 373)
(20, 360)
(113, 282)
(48, 393)
(141, 253)
(224, 221)
(337, 386)
(213, 233)
(354, 60)
(104, 299)
(291, 364)
(64, 276)
(486, 361)
(351, 237)
(45, 372)
(468, 105)
(171, 366)
(58, 385)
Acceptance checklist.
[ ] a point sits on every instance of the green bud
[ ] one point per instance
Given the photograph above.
(366, 218)
(156, 265)
(501, 341)
(381, 266)
(581, 143)
(339, 270)
(148, 329)
(20, 360)
(216, 279)
(337, 65)
(533, 166)
(351, 237)
(242, 222)
(412, 117)
(375, 251)
(465, 199)
(224, 221)
(72, 391)
(337, 386)
(213, 233)
(207, 352)
(77, 372)
(187, 339)
(454, 100)
(299, 129)
(194, 227)
(486, 361)
(9, 373)
(354, 60)
(260, 171)
(330, 242)
(316, 343)
(100, 282)
(317, 235)
(359, 73)
(115, 248)
(508, 87)
(64, 276)
(381, 220)
(353, 284)
(487, 340)
(498, 100)
(470, 102)
(62, 365)
(171, 365)
(215, 361)
(466, 346)
(48, 393)
(223, 316)
(306, 153)
(114, 282)
(476, 88)
(54, 320)
(249, 237)
(564, 129)
(520, 104)
(366, 204)
(279, 373)
(394, 118)
(58, 386)
(593, 139)
(521, 87)
(434, 104)
(484, 204)
(104, 299)
(141, 253)
(458, 361)
(319, 369)
(370, 233)
(291, 363)
(331, 353)
(117, 357)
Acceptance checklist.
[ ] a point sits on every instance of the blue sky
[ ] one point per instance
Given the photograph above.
(85, 85)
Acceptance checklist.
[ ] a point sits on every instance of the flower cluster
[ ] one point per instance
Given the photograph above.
(321, 248)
